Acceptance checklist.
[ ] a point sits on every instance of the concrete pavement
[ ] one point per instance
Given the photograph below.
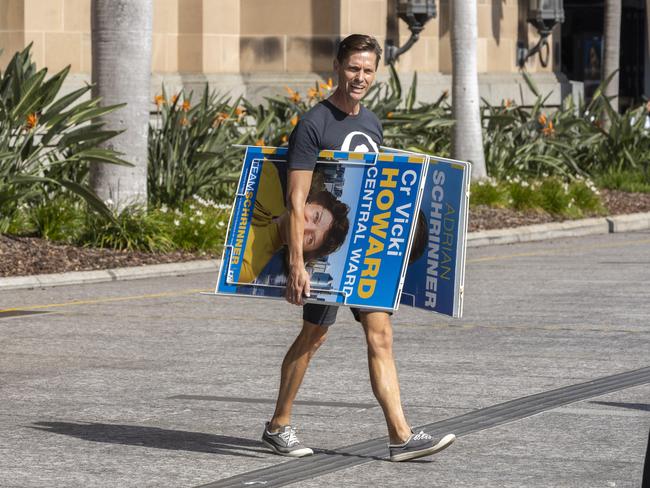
(149, 383)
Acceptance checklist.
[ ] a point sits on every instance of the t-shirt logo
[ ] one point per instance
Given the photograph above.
(357, 142)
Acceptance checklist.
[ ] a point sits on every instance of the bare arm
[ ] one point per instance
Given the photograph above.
(298, 185)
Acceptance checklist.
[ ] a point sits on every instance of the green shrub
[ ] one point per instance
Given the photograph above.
(46, 140)
(60, 219)
(630, 181)
(200, 225)
(554, 196)
(489, 193)
(132, 229)
(523, 196)
(550, 194)
(571, 141)
(585, 197)
(191, 148)
(528, 142)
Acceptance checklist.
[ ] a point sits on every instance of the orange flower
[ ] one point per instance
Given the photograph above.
(174, 98)
(32, 121)
(327, 86)
(184, 121)
(239, 111)
(549, 130)
(294, 120)
(259, 142)
(186, 105)
(294, 96)
(216, 122)
(221, 116)
(159, 100)
(313, 93)
(390, 115)
(284, 139)
(542, 119)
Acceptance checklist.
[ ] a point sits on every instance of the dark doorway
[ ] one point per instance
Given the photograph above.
(582, 42)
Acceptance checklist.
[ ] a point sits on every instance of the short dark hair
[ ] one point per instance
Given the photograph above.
(357, 43)
(335, 236)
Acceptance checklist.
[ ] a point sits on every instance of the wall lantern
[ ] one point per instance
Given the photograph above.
(415, 13)
(543, 14)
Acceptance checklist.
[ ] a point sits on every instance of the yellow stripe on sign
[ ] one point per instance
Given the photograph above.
(416, 159)
(327, 154)
(386, 157)
(457, 166)
(355, 155)
(269, 150)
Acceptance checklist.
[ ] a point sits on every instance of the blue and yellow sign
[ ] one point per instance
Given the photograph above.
(396, 230)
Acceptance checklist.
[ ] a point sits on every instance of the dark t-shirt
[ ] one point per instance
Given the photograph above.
(326, 127)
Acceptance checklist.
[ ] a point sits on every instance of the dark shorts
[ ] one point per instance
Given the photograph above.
(325, 315)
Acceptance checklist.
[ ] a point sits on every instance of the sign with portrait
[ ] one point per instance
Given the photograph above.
(363, 225)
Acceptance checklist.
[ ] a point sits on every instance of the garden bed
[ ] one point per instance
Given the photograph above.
(20, 256)
(616, 202)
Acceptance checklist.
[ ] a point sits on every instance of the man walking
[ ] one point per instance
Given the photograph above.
(338, 123)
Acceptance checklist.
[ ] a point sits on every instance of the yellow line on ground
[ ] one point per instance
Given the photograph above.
(107, 300)
(200, 290)
(557, 251)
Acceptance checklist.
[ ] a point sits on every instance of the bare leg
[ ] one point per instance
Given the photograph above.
(383, 373)
(294, 367)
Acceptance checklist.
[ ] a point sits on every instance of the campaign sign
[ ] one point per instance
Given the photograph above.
(359, 222)
(435, 279)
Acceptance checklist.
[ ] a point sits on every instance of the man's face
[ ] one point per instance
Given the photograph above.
(356, 74)
(318, 221)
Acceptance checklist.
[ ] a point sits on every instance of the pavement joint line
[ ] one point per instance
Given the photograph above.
(329, 461)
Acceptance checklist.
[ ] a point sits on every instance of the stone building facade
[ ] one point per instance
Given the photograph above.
(257, 47)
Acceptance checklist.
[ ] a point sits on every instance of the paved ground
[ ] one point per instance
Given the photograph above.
(148, 383)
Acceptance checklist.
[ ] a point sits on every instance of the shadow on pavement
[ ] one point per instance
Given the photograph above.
(634, 406)
(136, 435)
(177, 440)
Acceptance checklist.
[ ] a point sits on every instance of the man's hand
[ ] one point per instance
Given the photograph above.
(298, 279)
(297, 285)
